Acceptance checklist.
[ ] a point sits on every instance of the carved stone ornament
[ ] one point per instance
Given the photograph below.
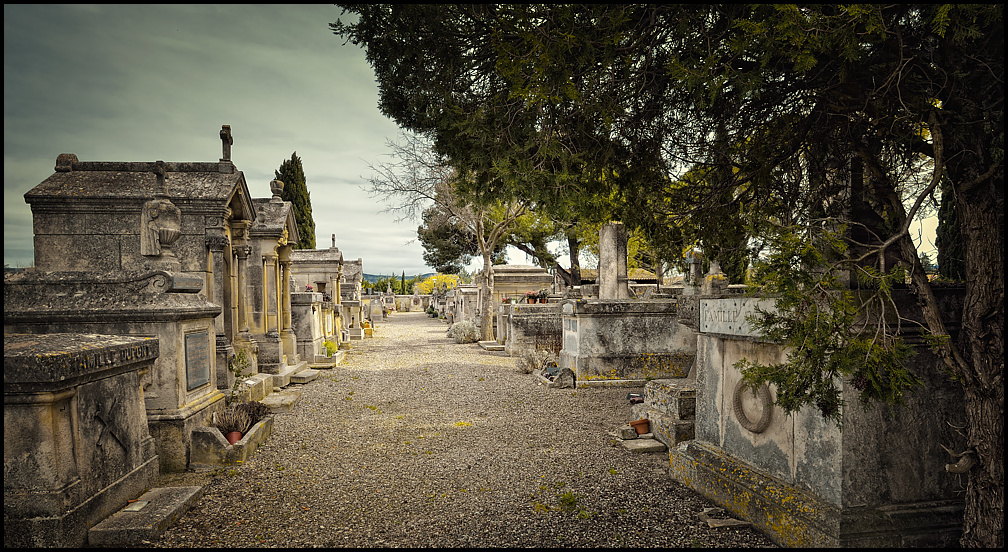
(766, 404)
(161, 226)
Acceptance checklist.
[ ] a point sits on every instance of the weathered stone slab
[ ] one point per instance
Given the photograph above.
(644, 445)
(282, 401)
(131, 526)
(304, 376)
(729, 316)
(491, 345)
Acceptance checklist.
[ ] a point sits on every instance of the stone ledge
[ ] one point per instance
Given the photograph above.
(643, 445)
(304, 376)
(282, 401)
(164, 505)
(491, 345)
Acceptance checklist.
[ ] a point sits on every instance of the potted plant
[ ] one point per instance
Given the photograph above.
(543, 296)
(531, 296)
(233, 422)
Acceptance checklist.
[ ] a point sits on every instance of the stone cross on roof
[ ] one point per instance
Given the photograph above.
(227, 141)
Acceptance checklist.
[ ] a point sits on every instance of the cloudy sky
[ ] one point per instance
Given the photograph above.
(147, 83)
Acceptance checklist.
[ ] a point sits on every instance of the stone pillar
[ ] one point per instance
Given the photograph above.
(287, 335)
(271, 350)
(612, 272)
(218, 281)
(270, 278)
(242, 252)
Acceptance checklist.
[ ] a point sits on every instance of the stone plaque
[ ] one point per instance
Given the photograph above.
(197, 357)
(729, 316)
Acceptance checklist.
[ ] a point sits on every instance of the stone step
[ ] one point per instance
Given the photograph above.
(670, 431)
(282, 401)
(325, 363)
(283, 379)
(642, 444)
(146, 519)
(304, 376)
(491, 345)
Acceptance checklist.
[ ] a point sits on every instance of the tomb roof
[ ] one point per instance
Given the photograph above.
(98, 180)
(272, 217)
(317, 255)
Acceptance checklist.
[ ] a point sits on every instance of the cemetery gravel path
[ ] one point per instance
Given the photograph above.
(417, 441)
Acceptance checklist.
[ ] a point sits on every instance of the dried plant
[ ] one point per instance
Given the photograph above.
(536, 359)
(232, 419)
(255, 411)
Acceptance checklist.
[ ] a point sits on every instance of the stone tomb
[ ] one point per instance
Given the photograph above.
(879, 482)
(76, 443)
(270, 317)
(532, 326)
(181, 391)
(625, 342)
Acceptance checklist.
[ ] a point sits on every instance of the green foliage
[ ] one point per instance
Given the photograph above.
(240, 366)
(833, 334)
(331, 347)
(296, 191)
(948, 239)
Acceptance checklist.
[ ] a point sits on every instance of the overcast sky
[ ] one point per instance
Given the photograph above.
(148, 83)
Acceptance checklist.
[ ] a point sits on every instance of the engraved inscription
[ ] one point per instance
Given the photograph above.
(197, 355)
(729, 316)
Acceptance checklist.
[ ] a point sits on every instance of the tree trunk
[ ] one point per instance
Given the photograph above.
(575, 252)
(981, 342)
(486, 293)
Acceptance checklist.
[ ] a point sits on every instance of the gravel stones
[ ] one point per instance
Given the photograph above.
(417, 441)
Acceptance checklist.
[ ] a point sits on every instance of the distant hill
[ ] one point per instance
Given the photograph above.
(372, 278)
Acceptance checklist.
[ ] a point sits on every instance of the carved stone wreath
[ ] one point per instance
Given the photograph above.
(766, 401)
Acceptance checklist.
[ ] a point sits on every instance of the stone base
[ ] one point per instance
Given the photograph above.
(172, 432)
(71, 529)
(793, 517)
(282, 401)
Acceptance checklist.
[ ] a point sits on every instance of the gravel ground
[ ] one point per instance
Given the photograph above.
(417, 441)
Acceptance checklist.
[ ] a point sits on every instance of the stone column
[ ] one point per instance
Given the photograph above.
(287, 335)
(242, 252)
(272, 296)
(271, 350)
(612, 274)
(217, 279)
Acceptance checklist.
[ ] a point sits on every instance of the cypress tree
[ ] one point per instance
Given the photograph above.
(296, 191)
(948, 240)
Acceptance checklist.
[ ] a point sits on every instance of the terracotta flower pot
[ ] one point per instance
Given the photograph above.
(640, 426)
(233, 437)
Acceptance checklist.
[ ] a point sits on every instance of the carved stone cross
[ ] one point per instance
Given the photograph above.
(227, 141)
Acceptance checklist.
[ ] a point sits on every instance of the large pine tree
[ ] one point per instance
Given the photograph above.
(296, 191)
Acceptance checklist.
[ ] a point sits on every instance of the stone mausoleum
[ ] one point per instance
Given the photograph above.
(174, 250)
